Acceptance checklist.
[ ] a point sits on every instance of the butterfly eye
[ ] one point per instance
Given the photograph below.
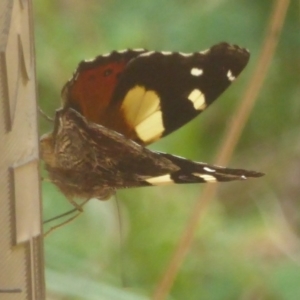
(107, 72)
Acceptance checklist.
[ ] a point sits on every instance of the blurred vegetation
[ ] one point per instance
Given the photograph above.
(247, 245)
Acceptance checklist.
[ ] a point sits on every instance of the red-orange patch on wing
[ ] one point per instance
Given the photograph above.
(91, 91)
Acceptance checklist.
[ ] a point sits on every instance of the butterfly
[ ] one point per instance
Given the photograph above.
(116, 104)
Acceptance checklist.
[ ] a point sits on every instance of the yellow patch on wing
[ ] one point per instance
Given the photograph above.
(142, 111)
(198, 99)
(160, 180)
(207, 178)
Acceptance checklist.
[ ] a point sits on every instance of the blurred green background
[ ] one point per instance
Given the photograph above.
(247, 245)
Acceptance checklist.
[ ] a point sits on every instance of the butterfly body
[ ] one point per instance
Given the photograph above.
(116, 104)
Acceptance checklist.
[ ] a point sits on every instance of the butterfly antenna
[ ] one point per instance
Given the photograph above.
(121, 243)
(44, 115)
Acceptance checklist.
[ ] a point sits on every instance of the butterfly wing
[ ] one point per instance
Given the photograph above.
(190, 172)
(92, 85)
(159, 92)
(87, 160)
(147, 95)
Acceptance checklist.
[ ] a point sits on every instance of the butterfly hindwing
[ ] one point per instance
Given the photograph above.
(88, 160)
(190, 171)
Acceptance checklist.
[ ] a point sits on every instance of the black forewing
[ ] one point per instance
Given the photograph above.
(169, 75)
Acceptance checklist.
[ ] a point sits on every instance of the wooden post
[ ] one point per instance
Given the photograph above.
(21, 251)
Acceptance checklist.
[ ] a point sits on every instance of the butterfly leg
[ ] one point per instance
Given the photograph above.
(78, 208)
(76, 205)
(44, 115)
(61, 224)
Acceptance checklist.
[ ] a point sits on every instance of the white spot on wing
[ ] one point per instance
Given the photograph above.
(138, 49)
(207, 178)
(160, 180)
(166, 52)
(186, 54)
(230, 76)
(93, 59)
(147, 53)
(196, 72)
(198, 99)
(205, 51)
(209, 169)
